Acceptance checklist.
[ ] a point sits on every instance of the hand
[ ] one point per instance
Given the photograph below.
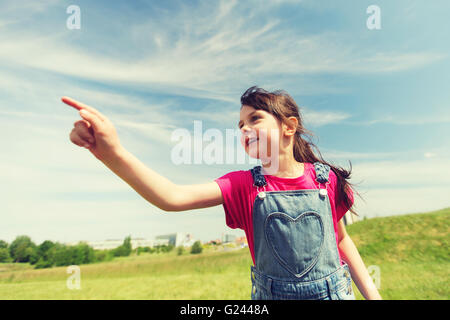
(95, 132)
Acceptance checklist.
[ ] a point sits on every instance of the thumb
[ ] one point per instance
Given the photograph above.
(93, 119)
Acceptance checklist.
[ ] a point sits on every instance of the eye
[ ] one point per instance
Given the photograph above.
(253, 118)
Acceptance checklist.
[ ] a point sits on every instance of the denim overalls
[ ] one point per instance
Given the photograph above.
(296, 255)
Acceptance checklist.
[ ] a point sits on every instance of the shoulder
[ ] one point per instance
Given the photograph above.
(332, 178)
(235, 179)
(238, 174)
(318, 168)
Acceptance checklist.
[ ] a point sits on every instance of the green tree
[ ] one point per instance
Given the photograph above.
(32, 254)
(180, 250)
(83, 254)
(4, 255)
(103, 255)
(45, 255)
(62, 255)
(43, 264)
(197, 247)
(50, 254)
(3, 244)
(167, 247)
(22, 249)
(125, 249)
(89, 253)
(127, 245)
(44, 248)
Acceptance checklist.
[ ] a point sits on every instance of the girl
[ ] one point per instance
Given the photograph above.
(290, 207)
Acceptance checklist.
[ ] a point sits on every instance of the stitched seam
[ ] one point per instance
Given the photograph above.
(291, 220)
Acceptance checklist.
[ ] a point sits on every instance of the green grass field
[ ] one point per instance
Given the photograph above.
(412, 252)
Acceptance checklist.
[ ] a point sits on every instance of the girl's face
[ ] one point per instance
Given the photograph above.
(260, 132)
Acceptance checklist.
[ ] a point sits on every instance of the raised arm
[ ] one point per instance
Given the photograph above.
(96, 133)
(160, 191)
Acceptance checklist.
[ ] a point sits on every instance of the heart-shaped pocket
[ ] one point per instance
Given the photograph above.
(295, 242)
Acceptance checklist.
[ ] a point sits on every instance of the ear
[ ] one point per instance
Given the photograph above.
(290, 127)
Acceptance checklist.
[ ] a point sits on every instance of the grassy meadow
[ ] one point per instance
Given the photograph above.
(411, 252)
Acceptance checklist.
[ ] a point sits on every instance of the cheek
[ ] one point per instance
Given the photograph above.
(266, 136)
(242, 140)
(269, 142)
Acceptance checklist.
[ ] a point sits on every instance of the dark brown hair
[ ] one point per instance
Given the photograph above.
(281, 105)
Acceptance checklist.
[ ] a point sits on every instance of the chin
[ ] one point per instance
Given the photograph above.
(256, 155)
(253, 155)
(252, 152)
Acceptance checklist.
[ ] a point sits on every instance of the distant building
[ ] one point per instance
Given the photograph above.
(105, 244)
(136, 243)
(241, 241)
(114, 243)
(177, 239)
(227, 238)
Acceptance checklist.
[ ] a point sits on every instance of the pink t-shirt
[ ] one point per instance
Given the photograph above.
(239, 194)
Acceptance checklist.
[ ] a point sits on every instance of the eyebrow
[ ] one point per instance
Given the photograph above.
(239, 123)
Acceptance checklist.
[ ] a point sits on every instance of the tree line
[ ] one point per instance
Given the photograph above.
(54, 254)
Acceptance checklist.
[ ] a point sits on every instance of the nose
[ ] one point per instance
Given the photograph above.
(248, 132)
(246, 129)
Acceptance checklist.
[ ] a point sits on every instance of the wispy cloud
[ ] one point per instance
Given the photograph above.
(315, 118)
(210, 57)
(429, 155)
(408, 120)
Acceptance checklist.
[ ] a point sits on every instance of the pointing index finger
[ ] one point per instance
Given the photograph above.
(79, 106)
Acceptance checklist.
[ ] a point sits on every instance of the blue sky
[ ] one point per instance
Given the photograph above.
(378, 98)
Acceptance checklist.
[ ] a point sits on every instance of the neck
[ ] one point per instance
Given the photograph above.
(287, 167)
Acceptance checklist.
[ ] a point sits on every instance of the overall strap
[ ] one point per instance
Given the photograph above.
(322, 172)
(258, 178)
